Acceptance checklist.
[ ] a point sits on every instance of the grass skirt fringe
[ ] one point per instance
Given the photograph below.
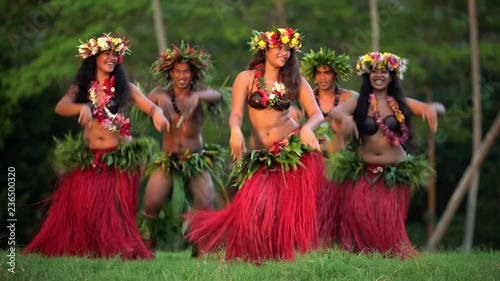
(93, 212)
(374, 218)
(365, 207)
(272, 213)
(330, 198)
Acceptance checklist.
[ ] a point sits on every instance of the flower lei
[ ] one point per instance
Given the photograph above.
(377, 60)
(105, 42)
(275, 38)
(277, 92)
(394, 140)
(111, 122)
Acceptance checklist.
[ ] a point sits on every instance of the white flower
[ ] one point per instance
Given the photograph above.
(95, 51)
(103, 45)
(271, 96)
(279, 87)
(119, 47)
(92, 42)
(82, 49)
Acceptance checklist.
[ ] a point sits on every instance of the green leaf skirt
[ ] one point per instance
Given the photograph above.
(348, 165)
(285, 154)
(73, 152)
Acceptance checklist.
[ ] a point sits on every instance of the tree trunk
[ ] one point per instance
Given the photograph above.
(375, 25)
(476, 92)
(280, 9)
(463, 185)
(159, 31)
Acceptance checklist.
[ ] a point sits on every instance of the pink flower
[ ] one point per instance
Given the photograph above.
(276, 148)
(125, 129)
(264, 99)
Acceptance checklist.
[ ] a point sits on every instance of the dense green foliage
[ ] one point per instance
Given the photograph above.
(38, 63)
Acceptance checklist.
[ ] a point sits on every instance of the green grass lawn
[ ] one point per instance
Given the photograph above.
(329, 265)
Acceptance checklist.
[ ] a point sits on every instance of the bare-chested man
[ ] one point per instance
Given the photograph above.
(327, 69)
(183, 166)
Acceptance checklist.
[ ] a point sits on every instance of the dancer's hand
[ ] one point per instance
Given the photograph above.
(431, 113)
(237, 143)
(161, 123)
(307, 137)
(85, 116)
(347, 129)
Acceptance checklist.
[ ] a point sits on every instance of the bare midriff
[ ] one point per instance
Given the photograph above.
(269, 126)
(377, 150)
(187, 137)
(98, 137)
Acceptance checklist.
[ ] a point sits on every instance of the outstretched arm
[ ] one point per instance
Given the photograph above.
(154, 94)
(343, 114)
(428, 111)
(209, 95)
(306, 99)
(239, 94)
(347, 94)
(148, 107)
(67, 107)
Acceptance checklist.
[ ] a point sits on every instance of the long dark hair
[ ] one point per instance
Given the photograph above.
(290, 72)
(87, 73)
(393, 89)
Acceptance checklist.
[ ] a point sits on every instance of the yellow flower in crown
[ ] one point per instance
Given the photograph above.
(275, 38)
(285, 39)
(380, 60)
(367, 58)
(106, 42)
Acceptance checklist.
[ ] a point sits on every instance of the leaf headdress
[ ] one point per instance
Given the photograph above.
(341, 64)
(201, 64)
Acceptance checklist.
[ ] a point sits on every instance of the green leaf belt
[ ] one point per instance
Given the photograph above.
(189, 164)
(348, 165)
(286, 156)
(181, 168)
(73, 152)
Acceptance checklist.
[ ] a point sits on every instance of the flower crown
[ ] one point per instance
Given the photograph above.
(277, 37)
(381, 60)
(198, 59)
(105, 42)
(341, 64)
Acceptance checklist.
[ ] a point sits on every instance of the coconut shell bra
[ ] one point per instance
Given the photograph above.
(370, 126)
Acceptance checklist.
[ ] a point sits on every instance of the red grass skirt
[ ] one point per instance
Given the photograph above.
(373, 217)
(330, 206)
(92, 215)
(272, 213)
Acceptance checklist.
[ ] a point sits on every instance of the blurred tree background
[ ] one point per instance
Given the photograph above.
(38, 62)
